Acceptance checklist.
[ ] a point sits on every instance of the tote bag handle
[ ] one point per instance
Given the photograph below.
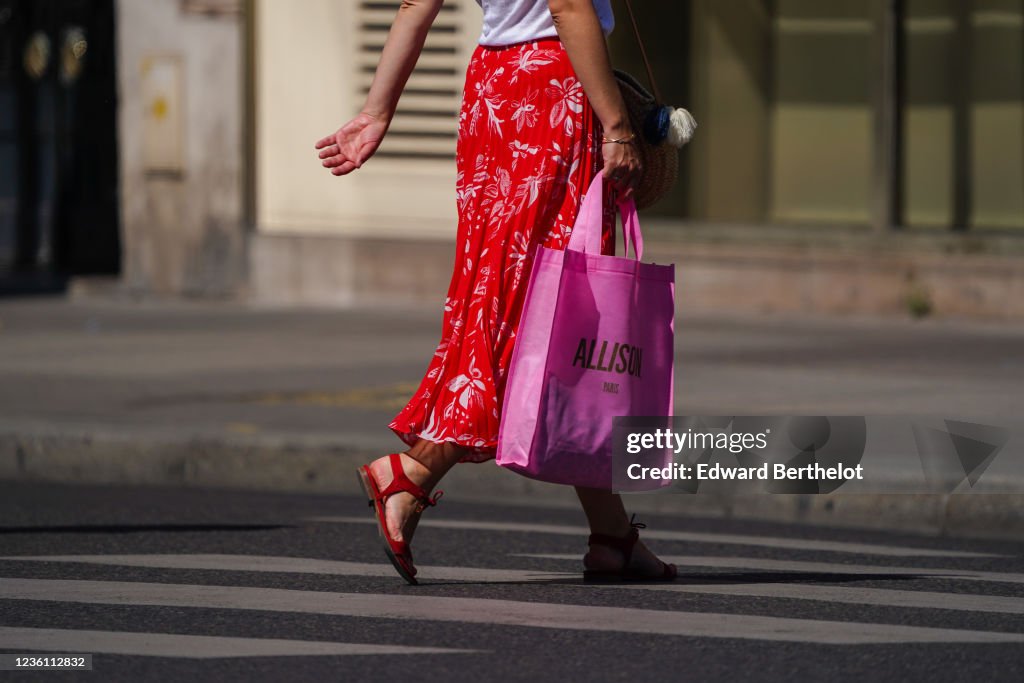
(586, 233)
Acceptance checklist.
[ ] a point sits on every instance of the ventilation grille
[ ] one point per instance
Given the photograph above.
(426, 123)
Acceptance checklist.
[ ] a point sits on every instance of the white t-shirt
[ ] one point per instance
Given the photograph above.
(516, 21)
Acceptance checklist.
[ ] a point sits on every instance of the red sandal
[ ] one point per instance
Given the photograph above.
(398, 552)
(625, 546)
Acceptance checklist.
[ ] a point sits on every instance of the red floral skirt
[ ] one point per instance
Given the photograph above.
(528, 147)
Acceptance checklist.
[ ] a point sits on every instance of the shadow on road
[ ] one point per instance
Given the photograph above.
(716, 578)
(133, 528)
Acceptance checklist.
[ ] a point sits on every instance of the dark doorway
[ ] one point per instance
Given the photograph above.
(58, 143)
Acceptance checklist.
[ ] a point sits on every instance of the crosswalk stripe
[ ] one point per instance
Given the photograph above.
(781, 543)
(760, 564)
(493, 612)
(296, 565)
(189, 646)
(854, 595)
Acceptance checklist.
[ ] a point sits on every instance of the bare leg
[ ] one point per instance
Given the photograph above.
(607, 515)
(425, 464)
(604, 510)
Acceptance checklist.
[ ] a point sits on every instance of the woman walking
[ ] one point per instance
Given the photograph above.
(541, 115)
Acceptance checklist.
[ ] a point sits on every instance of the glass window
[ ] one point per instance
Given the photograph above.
(784, 89)
(997, 114)
(822, 114)
(963, 114)
(732, 96)
(788, 96)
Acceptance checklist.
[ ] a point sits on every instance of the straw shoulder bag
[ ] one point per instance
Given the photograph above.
(661, 130)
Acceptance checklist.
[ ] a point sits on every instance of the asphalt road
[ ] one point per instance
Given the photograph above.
(203, 369)
(192, 584)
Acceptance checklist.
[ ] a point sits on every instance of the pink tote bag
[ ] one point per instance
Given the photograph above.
(595, 342)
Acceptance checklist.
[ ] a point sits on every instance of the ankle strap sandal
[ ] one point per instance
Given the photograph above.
(399, 552)
(625, 546)
(400, 483)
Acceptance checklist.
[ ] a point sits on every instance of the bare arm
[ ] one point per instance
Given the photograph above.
(356, 141)
(398, 59)
(580, 31)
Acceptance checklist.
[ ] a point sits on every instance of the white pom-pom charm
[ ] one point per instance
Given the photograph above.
(681, 128)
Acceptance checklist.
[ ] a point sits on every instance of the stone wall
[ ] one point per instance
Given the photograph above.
(182, 223)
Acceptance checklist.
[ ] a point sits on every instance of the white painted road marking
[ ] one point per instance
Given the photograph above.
(298, 565)
(760, 564)
(853, 595)
(491, 612)
(782, 543)
(189, 647)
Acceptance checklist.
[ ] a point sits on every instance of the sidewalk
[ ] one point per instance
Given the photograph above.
(225, 395)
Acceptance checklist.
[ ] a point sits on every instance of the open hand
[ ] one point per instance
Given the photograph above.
(355, 142)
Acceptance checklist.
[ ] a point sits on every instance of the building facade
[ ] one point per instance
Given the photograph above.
(872, 146)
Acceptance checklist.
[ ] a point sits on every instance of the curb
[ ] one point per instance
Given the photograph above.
(319, 465)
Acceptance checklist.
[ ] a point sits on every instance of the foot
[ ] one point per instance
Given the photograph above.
(400, 508)
(605, 558)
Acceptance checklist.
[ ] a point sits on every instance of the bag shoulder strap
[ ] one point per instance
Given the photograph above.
(643, 52)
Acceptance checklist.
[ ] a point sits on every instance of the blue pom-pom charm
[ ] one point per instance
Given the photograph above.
(656, 125)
